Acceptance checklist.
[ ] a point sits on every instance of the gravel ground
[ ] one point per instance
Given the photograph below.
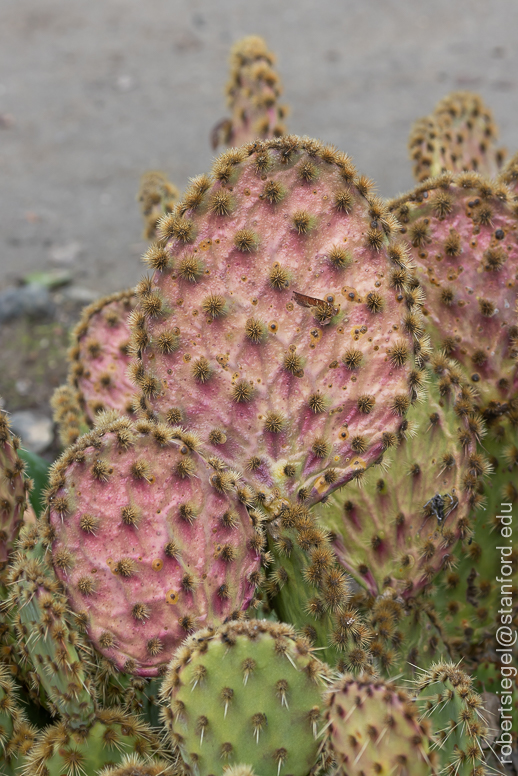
(93, 94)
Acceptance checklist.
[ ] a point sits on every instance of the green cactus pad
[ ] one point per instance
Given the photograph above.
(447, 700)
(249, 692)
(397, 530)
(112, 734)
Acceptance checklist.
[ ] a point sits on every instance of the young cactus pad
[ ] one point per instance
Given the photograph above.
(373, 727)
(454, 711)
(277, 324)
(100, 356)
(149, 539)
(253, 93)
(250, 692)
(459, 135)
(462, 234)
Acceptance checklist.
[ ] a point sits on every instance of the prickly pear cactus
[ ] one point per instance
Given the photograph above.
(100, 356)
(461, 233)
(149, 539)
(12, 722)
(446, 698)
(460, 134)
(14, 489)
(373, 727)
(278, 323)
(253, 93)
(399, 529)
(157, 195)
(112, 734)
(249, 692)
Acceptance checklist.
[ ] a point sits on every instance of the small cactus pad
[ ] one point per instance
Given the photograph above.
(249, 692)
(253, 93)
(509, 174)
(157, 195)
(446, 699)
(134, 765)
(14, 489)
(68, 414)
(459, 135)
(373, 727)
(100, 356)
(399, 528)
(150, 540)
(280, 328)
(462, 234)
(112, 736)
(12, 719)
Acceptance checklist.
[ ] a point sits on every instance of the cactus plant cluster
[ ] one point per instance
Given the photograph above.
(273, 532)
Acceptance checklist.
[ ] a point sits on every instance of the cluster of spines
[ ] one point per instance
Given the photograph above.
(253, 93)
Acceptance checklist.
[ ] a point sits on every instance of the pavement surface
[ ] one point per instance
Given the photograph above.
(94, 93)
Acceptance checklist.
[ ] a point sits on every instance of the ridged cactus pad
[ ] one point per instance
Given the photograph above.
(278, 324)
(250, 692)
(150, 540)
(14, 489)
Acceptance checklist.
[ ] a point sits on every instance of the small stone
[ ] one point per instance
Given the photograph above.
(34, 429)
(32, 300)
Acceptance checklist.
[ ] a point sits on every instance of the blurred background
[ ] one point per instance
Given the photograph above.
(92, 94)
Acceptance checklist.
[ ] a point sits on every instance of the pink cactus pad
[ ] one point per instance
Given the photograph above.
(100, 356)
(149, 539)
(279, 324)
(462, 234)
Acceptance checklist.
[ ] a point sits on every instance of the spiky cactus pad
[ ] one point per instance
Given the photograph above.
(249, 692)
(150, 540)
(459, 135)
(157, 195)
(278, 322)
(134, 765)
(253, 93)
(373, 727)
(462, 234)
(14, 489)
(100, 356)
(398, 530)
(112, 734)
(454, 711)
